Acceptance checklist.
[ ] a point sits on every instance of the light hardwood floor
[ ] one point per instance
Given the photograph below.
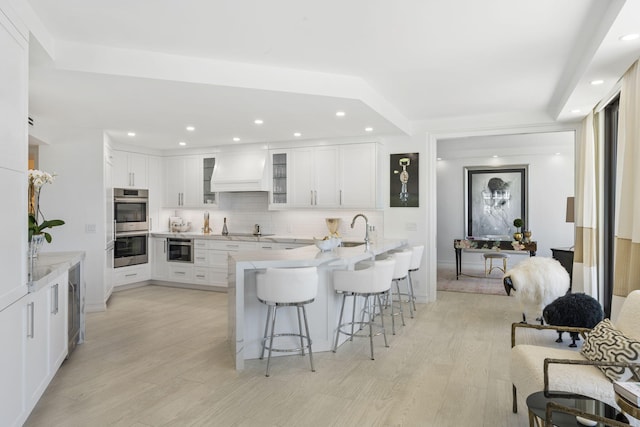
(158, 357)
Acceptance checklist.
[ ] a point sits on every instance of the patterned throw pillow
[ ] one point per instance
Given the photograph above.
(606, 343)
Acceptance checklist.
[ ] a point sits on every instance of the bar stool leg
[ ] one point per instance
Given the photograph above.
(384, 331)
(413, 297)
(393, 315)
(300, 329)
(335, 345)
(273, 327)
(368, 305)
(306, 327)
(401, 311)
(266, 330)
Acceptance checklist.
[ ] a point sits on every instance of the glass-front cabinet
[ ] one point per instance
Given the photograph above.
(279, 196)
(209, 197)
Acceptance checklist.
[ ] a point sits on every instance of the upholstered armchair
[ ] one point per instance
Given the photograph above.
(609, 352)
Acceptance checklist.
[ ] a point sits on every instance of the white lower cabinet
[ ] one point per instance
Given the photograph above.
(58, 302)
(159, 264)
(211, 260)
(180, 272)
(132, 274)
(36, 314)
(35, 329)
(12, 362)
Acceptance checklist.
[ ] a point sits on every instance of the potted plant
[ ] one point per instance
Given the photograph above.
(36, 234)
(518, 223)
(36, 229)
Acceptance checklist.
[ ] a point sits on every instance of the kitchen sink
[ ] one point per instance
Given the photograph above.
(247, 235)
(351, 244)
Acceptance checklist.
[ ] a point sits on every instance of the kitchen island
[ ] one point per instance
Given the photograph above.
(247, 315)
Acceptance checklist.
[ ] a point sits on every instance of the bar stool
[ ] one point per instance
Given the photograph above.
(369, 283)
(416, 260)
(287, 287)
(491, 256)
(400, 272)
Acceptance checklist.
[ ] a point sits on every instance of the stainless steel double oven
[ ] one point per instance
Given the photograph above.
(131, 217)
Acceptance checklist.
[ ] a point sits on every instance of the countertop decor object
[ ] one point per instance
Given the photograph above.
(37, 179)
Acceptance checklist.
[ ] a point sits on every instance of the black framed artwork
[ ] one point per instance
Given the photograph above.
(494, 197)
(403, 186)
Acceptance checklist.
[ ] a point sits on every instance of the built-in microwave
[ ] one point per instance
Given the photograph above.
(179, 250)
(131, 209)
(131, 249)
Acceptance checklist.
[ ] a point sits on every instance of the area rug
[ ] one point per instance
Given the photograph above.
(472, 281)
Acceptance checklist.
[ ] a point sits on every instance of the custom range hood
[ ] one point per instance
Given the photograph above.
(240, 171)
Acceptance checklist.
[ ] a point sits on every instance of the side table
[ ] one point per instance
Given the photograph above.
(561, 409)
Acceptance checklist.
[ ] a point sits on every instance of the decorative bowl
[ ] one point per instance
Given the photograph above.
(181, 227)
(329, 244)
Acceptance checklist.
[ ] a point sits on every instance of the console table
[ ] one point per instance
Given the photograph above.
(490, 245)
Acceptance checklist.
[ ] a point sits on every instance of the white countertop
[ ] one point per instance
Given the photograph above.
(49, 265)
(312, 256)
(241, 237)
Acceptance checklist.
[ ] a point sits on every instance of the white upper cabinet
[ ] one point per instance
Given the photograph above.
(156, 191)
(130, 170)
(14, 75)
(184, 186)
(279, 172)
(314, 180)
(337, 176)
(357, 172)
(13, 159)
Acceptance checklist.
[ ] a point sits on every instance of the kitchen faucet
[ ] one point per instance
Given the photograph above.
(366, 226)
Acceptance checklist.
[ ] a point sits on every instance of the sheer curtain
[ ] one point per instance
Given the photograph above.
(585, 271)
(627, 240)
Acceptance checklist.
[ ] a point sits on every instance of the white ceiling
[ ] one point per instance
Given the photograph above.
(155, 66)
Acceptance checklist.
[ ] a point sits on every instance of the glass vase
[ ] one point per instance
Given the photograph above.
(35, 244)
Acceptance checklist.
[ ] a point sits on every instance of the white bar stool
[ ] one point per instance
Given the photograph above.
(369, 283)
(416, 260)
(283, 287)
(400, 272)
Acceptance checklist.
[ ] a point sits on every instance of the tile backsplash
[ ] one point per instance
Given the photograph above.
(243, 210)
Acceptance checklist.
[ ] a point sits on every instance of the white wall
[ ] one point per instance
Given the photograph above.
(550, 160)
(77, 197)
(411, 223)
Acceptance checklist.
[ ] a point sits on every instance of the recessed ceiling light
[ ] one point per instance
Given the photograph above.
(576, 111)
(597, 82)
(131, 133)
(557, 154)
(438, 158)
(236, 139)
(368, 129)
(258, 121)
(629, 37)
(340, 113)
(297, 134)
(182, 143)
(190, 128)
(495, 156)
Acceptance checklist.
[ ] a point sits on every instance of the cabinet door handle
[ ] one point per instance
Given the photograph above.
(150, 223)
(55, 304)
(164, 248)
(200, 276)
(315, 197)
(131, 275)
(114, 229)
(340, 197)
(181, 272)
(30, 315)
(311, 197)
